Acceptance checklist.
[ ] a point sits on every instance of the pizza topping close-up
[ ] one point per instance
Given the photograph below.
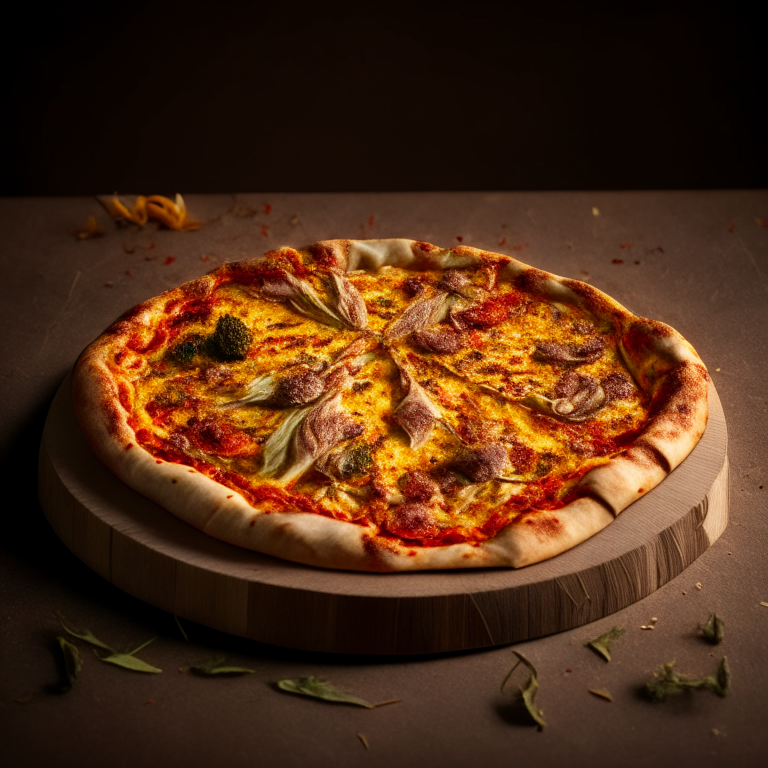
(425, 405)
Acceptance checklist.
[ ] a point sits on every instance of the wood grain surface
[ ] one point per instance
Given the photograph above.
(144, 550)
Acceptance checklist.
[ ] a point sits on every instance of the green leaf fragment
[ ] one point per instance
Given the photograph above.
(601, 693)
(125, 660)
(86, 636)
(73, 662)
(714, 629)
(666, 682)
(215, 666)
(181, 629)
(602, 644)
(319, 689)
(529, 691)
(128, 661)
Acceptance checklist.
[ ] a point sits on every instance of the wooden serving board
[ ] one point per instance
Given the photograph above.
(150, 554)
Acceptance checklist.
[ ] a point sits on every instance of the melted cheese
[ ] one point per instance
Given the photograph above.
(188, 410)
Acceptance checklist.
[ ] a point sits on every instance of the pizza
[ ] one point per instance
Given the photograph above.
(389, 405)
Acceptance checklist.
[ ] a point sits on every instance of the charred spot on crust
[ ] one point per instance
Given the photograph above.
(532, 280)
(642, 452)
(375, 547)
(596, 302)
(544, 527)
(685, 384)
(326, 255)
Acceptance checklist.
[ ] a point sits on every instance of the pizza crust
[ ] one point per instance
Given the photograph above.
(663, 364)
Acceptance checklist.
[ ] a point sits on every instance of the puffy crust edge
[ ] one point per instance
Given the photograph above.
(663, 364)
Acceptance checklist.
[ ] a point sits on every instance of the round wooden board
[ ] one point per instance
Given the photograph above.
(150, 554)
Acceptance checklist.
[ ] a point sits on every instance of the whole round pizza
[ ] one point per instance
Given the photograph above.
(388, 405)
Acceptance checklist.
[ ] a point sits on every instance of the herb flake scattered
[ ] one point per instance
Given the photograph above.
(528, 692)
(73, 662)
(215, 666)
(87, 636)
(181, 629)
(714, 629)
(601, 693)
(602, 645)
(319, 689)
(129, 660)
(666, 682)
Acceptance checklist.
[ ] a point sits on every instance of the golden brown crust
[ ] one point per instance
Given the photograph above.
(662, 363)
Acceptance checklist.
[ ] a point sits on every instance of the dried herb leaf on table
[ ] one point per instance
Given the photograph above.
(73, 662)
(125, 660)
(666, 682)
(528, 692)
(215, 666)
(602, 644)
(601, 693)
(86, 636)
(129, 661)
(319, 689)
(714, 629)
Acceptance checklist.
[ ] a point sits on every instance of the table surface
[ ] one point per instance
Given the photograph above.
(696, 260)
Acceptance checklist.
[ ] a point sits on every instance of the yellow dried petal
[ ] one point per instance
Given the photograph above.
(118, 210)
(140, 210)
(601, 692)
(168, 218)
(91, 230)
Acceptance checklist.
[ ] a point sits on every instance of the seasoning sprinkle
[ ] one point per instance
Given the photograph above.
(601, 693)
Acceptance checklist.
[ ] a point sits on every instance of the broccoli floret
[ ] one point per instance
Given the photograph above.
(356, 461)
(185, 351)
(231, 338)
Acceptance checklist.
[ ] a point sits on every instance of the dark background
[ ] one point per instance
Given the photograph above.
(156, 98)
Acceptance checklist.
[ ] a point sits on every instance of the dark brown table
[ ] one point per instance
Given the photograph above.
(696, 260)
